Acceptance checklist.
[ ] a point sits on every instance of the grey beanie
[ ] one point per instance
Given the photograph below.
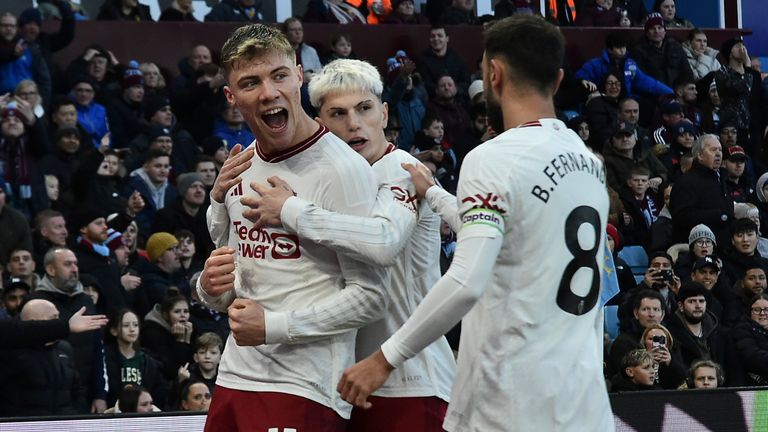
(184, 181)
(701, 231)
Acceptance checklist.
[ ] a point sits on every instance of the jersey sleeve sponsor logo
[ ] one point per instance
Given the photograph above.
(404, 198)
(259, 243)
(488, 201)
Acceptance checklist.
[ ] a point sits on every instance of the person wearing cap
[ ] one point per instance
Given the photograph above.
(695, 328)
(706, 271)
(671, 114)
(737, 83)
(683, 134)
(407, 99)
(24, 62)
(31, 21)
(622, 154)
(124, 10)
(91, 115)
(736, 182)
(94, 257)
(660, 56)
(701, 57)
(64, 159)
(699, 195)
(187, 212)
(125, 111)
(15, 292)
(159, 117)
(61, 286)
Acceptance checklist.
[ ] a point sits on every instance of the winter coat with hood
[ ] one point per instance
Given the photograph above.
(157, 339)
(701, 64)
(87, 347)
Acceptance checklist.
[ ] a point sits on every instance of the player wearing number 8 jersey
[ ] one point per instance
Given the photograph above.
(533, 206)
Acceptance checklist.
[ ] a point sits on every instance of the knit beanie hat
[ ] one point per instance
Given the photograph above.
(614, 233)
(701, 231)
(114, 239)
(30, 15)
(154, 104)
(83, 217)
(158, 243)
(654, 19)
(185, 181)
(132, 76)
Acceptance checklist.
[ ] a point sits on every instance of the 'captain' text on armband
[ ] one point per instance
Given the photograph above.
(260, 244)
(563, 165)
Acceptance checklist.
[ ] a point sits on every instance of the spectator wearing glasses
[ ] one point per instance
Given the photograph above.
(750, 342)
(701, 243)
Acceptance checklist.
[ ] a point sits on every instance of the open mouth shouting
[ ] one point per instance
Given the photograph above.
(357, 143)
(276, 119)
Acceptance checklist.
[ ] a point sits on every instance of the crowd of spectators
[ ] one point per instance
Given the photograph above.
(106, 166)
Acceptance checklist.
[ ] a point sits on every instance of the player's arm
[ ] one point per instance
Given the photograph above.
(479, 242)
(439, 200)
(364, 298)
(377, 239)
(216, 284)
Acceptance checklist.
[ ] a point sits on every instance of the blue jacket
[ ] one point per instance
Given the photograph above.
(635, 80)
(30, 65)
(145, 217)
(93, 118)
(243, 136)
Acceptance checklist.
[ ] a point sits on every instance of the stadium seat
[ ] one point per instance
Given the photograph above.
(611, 322)
(636, 257)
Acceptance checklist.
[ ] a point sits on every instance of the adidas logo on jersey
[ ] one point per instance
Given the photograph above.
(237, 190)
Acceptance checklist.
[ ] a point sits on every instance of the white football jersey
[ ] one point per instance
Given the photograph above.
(314, 299)
(405, 234)
(530, 357)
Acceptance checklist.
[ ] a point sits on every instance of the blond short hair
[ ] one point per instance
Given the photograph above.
(344, 75)
(251, 41)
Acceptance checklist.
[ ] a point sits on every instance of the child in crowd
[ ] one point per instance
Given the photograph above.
(129, 365)
(208, 349)
(637, 372)
(341, 48)
(641, 206)
(430, 145)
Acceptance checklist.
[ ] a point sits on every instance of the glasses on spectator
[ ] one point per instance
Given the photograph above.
(613, 83)
(703, 242)
(759, 310)
(84, 90)
(29, 93)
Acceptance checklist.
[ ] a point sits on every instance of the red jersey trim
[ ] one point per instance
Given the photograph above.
(294, 150)
(390, 148)
(530, 124)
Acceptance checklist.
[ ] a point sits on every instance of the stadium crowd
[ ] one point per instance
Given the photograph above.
(107, 164)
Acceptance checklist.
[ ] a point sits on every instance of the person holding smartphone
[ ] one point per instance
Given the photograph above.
(670, 372)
